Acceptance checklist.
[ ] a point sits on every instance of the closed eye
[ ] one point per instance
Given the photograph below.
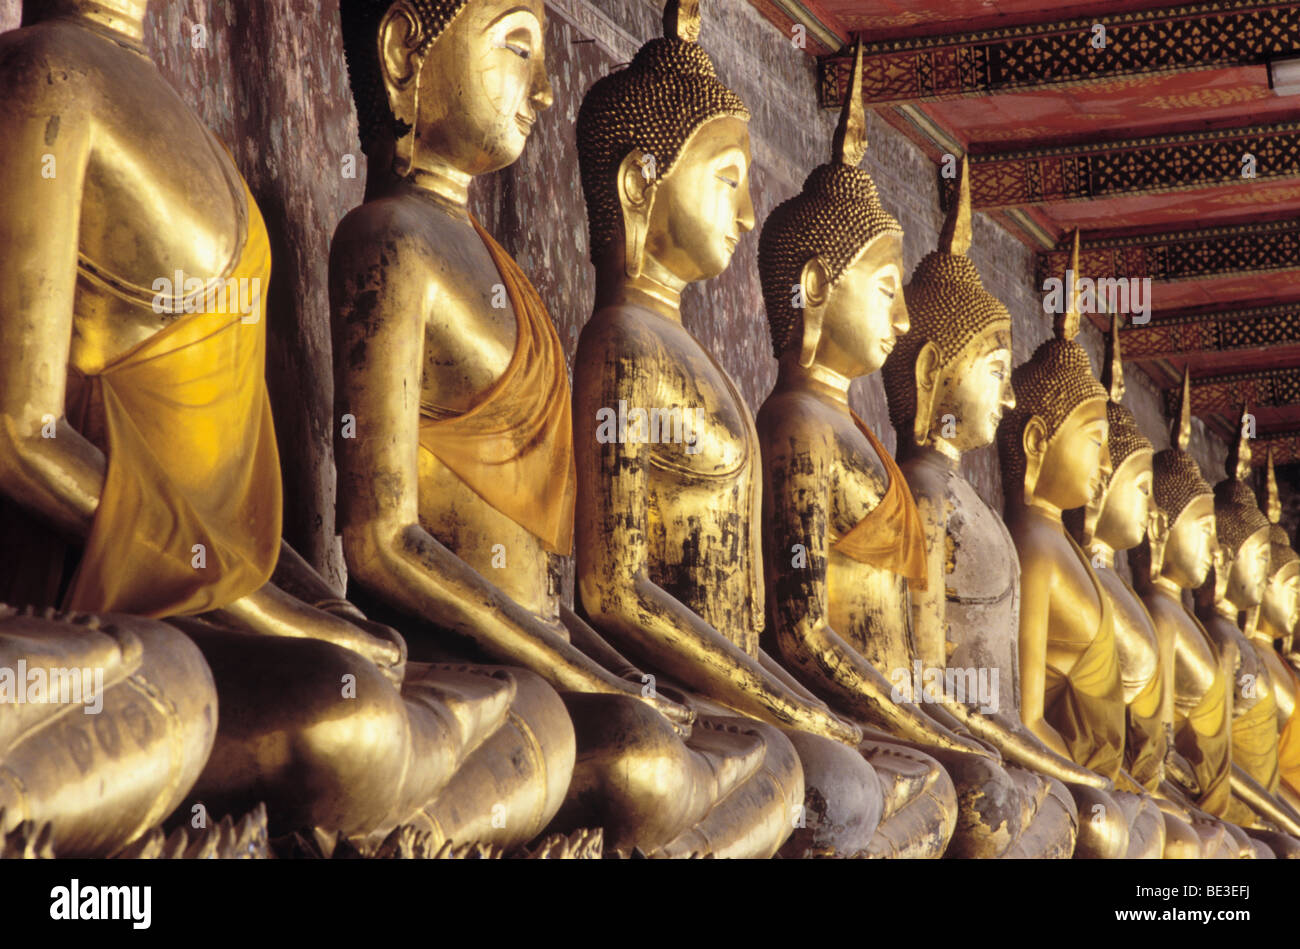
(728, 181)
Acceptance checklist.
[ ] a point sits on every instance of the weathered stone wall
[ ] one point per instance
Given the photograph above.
(270, 80)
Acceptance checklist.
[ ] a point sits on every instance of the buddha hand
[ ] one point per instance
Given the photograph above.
(679, 712)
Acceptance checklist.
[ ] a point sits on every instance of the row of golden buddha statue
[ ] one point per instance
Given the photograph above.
(747, 595)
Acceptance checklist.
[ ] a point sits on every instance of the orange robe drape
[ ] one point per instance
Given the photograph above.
(891, 536)
(1205, 740)
(1086, 704)
(1288, 747)
(514, 447)
(189, 517)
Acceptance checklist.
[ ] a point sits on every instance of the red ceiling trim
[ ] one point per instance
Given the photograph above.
(1136, 166)
(1184, 255)
(1178, 39)
(1181, 335)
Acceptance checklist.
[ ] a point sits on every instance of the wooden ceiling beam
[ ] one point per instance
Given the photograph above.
(1183, 255)
(1207, 35)
(1226, 394)
(1179, 334)
(1137, 166)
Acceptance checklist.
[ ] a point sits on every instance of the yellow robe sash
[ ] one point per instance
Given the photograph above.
(1255, 740)
(1086, 704)
(1205, 740)
(1288, 748)
(1146, 742)
(514, 447)
(189, 517)
(891, 536)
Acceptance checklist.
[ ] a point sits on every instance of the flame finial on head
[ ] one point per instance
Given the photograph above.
(1067, 323)
(1239, 456)
(1112, 371)
(1181, 436)
(682, 20)
(850, 143)
(1274, 502)
(955, 238)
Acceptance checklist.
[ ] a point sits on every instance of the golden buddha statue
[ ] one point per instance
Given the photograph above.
(1234, 586)
(948, 384)
(453, 503)
(838, 612)
(1176, 555)
(669, 557)
(1116, 519)
(134, 422)
(1279, 611)
(1053, 448)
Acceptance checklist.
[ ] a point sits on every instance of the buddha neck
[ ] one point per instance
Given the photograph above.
(816, 378)
(655, 288)
(447, 186)
(946, 458)
(122, 18)
(1101, 553)
(1167, 584)
(1264, 632)
(946, 448)
(1039, 509)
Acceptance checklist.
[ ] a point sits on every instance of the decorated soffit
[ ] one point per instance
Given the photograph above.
(1131, 121)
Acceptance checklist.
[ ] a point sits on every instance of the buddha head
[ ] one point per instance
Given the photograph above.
(1182, 541)
(663, 150)
(1280, 607)
(949, 380)
(830, 259)
(449, 84)
(1118, 513)
(1241, 528)
(1053, 444)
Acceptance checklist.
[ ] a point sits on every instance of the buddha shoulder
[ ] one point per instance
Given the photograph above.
(402, 245)
(51, 65)
(817, 435)
(1045, 550)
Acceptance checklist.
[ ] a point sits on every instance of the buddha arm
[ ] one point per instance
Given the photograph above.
(930, 606)
(797, 512)
(46, 466)
(385, 546)
(1035, 615)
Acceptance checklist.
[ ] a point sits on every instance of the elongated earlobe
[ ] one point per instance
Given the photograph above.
(1033, 442)
(814, 281)
(636, 195)
(399, 35)
(927, 385)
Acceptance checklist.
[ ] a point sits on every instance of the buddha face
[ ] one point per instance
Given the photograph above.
(973, 392)
(480, 85)
(1189, 552)
(1280, 607)
(1125, 503)
(1248, 573)
(864, 314)
(1075, 459)
(702, 207)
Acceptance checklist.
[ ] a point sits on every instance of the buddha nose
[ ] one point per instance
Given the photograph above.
(745, 213)
(543, 96)
(902, 319)
(1008, 395)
